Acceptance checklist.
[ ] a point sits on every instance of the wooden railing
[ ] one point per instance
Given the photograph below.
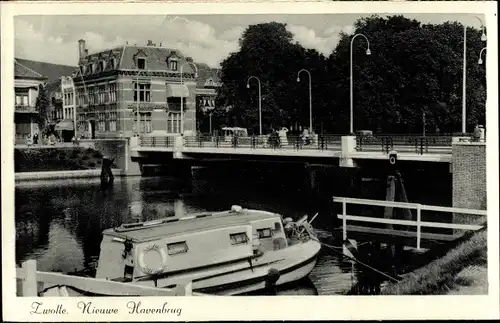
(30, 278)
(412, 206)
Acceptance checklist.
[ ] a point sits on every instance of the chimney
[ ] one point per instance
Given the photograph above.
(81, 48)
(150, 43)
(189, 59)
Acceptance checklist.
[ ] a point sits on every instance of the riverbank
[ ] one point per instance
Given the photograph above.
(69, 174)
(54, 159)
(461, 271)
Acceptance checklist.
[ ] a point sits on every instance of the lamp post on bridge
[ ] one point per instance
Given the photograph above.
(260, 100)
(182, 97)
(310, 96)
(368, 52)
(464, 76)
(480, 60)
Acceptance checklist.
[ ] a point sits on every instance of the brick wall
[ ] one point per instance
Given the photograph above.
(469, 179)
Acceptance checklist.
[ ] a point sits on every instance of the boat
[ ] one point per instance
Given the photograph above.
(222, 253)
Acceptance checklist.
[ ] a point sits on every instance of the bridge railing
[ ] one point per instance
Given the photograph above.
(418, 223)
(410, 143)
(157, 141)
(321, 142)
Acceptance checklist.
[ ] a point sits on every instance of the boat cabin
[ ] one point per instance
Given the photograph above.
(176, 245)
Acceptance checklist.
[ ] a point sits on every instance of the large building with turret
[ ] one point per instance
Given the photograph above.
(138, 90)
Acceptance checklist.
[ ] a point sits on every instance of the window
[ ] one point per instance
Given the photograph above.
(145, 122)
(90, 68)
(141, 63)
(177, 248)
(102, 66)
(174, 123)
(101, 125)
(21, 100)
(173, 65)
(112, 121)
(143, 92)
(101, 94)
(114, 62)
(238, 238)
(112, 92)
(264, 233)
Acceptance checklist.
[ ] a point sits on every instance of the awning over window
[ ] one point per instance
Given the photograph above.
(64, 125)
(177, 90)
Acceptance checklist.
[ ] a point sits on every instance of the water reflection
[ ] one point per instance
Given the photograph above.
(60, 223)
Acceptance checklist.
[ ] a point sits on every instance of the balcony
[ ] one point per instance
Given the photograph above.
(24, 109)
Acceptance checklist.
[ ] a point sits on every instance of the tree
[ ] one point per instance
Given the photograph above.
(42, 106)
(413, 69)
(267, 52)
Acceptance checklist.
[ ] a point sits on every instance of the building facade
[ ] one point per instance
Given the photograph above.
(132, 90)
(207, 85)
(28, 77)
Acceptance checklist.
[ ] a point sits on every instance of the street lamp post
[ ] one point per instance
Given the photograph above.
(310, 97)
(480, 60)
(464, 76)
(260, 101)
(368, 52)
(182, 97)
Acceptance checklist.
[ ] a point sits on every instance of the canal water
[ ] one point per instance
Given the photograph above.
(59, 223)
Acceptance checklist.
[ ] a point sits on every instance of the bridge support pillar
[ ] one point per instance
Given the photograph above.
(469, 180)
(120, 151)
(348, 145)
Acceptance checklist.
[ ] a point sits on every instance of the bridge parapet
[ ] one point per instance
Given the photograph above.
(323, 142)
(407, 143)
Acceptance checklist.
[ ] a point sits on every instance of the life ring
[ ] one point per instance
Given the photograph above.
(152, 268)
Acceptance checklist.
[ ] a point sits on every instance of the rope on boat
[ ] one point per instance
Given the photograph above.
(360, 262)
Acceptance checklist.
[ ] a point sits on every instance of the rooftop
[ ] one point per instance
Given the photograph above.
(25, 68)
(192, 225)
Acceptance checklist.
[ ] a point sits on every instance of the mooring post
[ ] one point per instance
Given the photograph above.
(418, 226)
(344, 222)
(29, 282)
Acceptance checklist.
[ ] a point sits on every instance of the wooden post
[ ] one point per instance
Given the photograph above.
(344, 222)
(418, 227)
(184, 289)
(29, 283)
(389, 196)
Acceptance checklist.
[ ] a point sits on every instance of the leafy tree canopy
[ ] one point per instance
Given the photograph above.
(413, 69)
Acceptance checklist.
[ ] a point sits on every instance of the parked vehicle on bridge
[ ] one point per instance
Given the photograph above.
(364, 133)
(230, 132)
(224, 253)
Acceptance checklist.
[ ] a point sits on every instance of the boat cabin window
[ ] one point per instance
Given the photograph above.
(177, 248)
(277, 227)
(238, 238)
(264, 233)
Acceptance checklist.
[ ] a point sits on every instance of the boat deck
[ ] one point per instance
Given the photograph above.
(183, 226)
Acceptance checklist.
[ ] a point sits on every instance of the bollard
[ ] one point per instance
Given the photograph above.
(273, 275)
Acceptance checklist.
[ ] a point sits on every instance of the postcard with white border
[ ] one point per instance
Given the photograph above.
(271, 160)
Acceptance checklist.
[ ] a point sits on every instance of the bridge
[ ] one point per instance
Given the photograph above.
(347, 149)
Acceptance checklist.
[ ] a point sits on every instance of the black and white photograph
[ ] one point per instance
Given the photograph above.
(248, 154)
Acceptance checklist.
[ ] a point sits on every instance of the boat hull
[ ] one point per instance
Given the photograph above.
(293, 264)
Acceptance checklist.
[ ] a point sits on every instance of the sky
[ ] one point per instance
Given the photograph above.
(207, 38)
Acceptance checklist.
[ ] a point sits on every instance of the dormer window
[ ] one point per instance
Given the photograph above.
(172, 65)
(210, 82)
(141, 63)
(90, 69)
(102, 66)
